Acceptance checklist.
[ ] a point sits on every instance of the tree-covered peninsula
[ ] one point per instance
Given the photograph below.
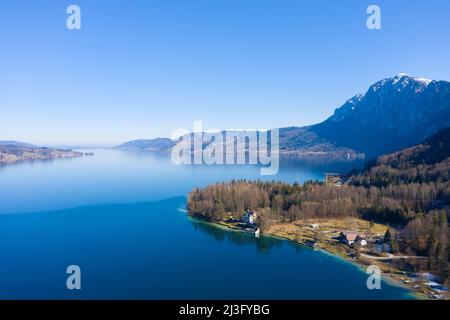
(409, 191)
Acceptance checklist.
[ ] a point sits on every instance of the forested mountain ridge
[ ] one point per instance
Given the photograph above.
(428, 162)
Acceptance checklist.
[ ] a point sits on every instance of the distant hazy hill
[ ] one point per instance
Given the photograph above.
(393, 114)
(13, 151)
(17, 144)
(159, 144)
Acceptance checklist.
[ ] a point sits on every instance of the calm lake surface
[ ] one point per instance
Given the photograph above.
(121, 217)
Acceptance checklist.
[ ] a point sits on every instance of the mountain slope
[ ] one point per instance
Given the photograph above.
(434, 150)
(394, 113)
(428, 162)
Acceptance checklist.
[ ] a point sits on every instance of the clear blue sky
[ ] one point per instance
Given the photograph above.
(140, 69)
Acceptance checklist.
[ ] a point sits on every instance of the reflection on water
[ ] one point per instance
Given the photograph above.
(263, 244)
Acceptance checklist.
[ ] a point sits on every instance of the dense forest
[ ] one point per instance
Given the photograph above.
(409, 189)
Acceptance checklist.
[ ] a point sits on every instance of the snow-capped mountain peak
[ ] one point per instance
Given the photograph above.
(394, 113)
(399, 77)
(403, 77)
(424, 80)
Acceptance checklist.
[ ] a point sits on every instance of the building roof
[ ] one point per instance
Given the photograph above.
(350, 236)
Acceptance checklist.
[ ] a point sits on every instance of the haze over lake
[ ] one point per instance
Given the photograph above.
(120, 217)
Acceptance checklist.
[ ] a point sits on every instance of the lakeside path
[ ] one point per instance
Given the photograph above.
(390, 256)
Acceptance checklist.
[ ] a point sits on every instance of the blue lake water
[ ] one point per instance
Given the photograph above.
(120, 217)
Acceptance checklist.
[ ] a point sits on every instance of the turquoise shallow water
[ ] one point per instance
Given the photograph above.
(106, 214)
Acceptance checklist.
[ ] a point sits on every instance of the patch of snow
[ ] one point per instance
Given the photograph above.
(356, 99)
(425, 81)
(399, 77)
(402, 76)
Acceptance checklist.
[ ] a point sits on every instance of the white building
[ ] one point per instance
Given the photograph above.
(249, 217)
(362, 242)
